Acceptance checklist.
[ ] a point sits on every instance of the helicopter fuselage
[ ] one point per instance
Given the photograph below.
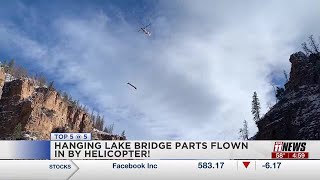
(146, 31)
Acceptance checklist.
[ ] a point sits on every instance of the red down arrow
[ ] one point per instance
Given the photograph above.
(246, 163)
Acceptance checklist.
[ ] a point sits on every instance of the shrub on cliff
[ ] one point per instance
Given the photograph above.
(17, 131)
(312, 47)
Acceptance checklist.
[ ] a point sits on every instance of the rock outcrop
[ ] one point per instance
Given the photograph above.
(2, 80)
(96, 135)
(297, 115)
(40, 111)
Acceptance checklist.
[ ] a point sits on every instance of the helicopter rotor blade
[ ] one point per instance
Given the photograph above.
(147, 25)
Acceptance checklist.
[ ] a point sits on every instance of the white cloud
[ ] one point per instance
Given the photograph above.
(195, 76)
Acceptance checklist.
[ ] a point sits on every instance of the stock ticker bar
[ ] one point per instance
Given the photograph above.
(159, 169)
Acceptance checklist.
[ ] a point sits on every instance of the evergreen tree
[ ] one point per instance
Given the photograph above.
(280, 93)
(105, 130)
(99, 123)
(123, 133)
(11, 63)
(275, 91)
(109, 129)
(5, 63)
(244, 131)
(9, 68)
(5, 66)
(41, 79)
(17, 131)
(51, 86)
(286, 75)
(65, 96)
(313, 47)
(255, 107)
(19, 72)
(93, 119)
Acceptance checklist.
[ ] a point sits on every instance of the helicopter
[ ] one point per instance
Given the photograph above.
(145, 31)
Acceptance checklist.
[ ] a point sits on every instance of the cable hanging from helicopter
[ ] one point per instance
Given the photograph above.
(132, 86)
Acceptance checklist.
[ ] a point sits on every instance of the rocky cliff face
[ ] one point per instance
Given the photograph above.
(40, 111)
(297, 115)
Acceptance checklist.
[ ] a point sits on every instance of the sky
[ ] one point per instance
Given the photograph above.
(195, 76)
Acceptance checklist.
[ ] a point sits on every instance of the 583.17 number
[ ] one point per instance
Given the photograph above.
(210, 165)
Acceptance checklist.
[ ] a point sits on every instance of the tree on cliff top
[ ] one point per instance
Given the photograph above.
(109, 129)
(312, 47)
(97, 121)
(285, 75)
(255, 107)
(8, 66)
(19, 72)
(42, 80)
(123, 133)
(280, 93)
(244, 131)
